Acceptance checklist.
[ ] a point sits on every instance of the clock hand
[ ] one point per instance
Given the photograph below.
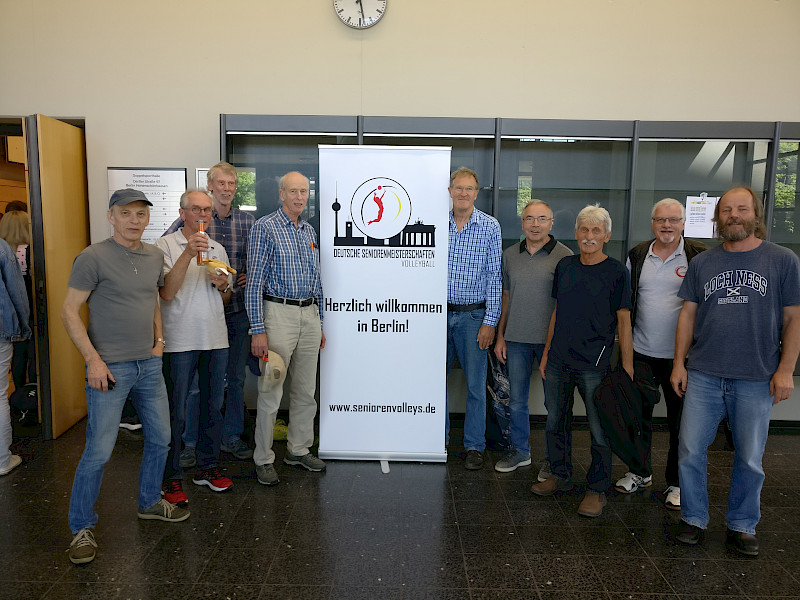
(361, 7)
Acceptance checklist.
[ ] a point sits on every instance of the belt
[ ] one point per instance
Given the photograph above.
(290, 301)
(465, 307)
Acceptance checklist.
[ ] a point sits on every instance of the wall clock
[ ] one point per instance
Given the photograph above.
(360, 14)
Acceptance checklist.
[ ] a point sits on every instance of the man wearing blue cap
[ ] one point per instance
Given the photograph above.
(118, 279)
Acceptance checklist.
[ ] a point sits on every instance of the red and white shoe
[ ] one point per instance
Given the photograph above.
(213, 478)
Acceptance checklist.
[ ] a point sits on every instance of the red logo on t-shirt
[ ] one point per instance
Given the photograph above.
(680, 272)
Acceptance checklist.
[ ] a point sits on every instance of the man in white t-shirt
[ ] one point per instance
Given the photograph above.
(193, 311)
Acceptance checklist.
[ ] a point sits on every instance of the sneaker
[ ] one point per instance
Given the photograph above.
(164, 511)
(688, 534)
(307, 461)
(544, 471)
(83, 548)
(741, 543)
(172, 489)
(188, 457)
(12, 464)
(238, 448)
(550, 486)
(473, 460)
(632, 483)
(512, 460)
(673, 497)
(267, 475)
(213, 478)
(131, 423)
(592, 505)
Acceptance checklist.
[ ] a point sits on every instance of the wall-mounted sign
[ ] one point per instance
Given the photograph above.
(699, 212)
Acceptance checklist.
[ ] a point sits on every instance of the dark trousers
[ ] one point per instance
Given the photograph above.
(650, 375)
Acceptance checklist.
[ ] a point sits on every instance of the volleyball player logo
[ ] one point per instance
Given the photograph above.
(380, 208)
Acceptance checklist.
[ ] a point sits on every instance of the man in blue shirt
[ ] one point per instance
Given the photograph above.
(740, 326)
(593, 301)
(284, 303)
(474, 289)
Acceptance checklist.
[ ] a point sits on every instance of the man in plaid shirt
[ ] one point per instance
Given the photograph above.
(230, 227)
(474, 290)
(284, 303)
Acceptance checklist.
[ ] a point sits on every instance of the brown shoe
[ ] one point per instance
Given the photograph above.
(592, 504)
(550, 486)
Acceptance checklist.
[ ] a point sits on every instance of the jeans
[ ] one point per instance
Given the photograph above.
(560, 383)
(650, 374)
(104, 409)
(192, 413)
(179, 369)
(462, 341)
(6, 350)
(748, 405)
(519, 360)
(238, 350)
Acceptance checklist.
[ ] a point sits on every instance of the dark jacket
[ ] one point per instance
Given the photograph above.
(639, 253)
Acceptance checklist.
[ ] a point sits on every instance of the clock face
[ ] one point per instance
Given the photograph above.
(360, 14)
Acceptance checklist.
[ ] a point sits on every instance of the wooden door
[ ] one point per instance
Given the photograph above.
(59, 211)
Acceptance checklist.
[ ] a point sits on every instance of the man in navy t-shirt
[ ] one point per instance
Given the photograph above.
(740, 326)
(593, 300)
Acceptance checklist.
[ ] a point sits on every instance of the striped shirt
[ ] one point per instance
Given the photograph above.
(284, 262)
(473, 264)
(231, 232)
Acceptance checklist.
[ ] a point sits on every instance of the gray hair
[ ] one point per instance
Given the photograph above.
(535, 202)
(666, 202)
(594, 214)
(185, 195)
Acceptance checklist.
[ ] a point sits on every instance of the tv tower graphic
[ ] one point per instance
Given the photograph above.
(380, 210)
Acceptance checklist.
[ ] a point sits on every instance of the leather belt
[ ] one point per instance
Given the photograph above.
(290, 301)
(465, 307)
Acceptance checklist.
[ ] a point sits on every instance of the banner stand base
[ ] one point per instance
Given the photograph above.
(383, 456)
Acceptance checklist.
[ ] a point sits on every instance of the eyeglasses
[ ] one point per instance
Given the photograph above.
(198, 210)
(672, 220)
(461, 189)
(540, 220)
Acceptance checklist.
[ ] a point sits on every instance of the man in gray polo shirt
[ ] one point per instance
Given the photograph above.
(528, 269)
(657, 270)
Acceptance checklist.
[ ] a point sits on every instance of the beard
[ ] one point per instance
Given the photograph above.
(666, 238)
(729, 234)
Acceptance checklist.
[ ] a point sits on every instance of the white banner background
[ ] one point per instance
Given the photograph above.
(382, 393)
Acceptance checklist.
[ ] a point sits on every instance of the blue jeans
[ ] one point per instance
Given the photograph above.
(560, 383)
(104, 411)
(179, 369)
(192, 413)
(519, 359)
(462, 341)
(748, 406)
(239, 348)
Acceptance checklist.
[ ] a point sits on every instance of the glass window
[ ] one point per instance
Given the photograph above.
(272, 156)
(471, 152)
(568, 174)
(677, 169)
(786, 213)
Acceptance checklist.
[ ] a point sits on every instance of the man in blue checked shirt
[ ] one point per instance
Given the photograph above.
(474, 290)
(284, 302)
(230, 227)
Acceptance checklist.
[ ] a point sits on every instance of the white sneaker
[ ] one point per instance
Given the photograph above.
(12, 464)
(631, 483)
(673, 500)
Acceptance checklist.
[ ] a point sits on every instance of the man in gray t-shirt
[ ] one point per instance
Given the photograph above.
(118, 279)
(527, 304)
(740, 326)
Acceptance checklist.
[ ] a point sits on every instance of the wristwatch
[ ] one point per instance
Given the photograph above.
(162, 340)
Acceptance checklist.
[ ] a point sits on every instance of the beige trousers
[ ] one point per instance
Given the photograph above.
(294, 333)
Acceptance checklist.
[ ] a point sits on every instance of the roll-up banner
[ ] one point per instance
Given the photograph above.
(383, 239)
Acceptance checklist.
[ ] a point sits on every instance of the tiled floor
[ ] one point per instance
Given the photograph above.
(422, 531)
